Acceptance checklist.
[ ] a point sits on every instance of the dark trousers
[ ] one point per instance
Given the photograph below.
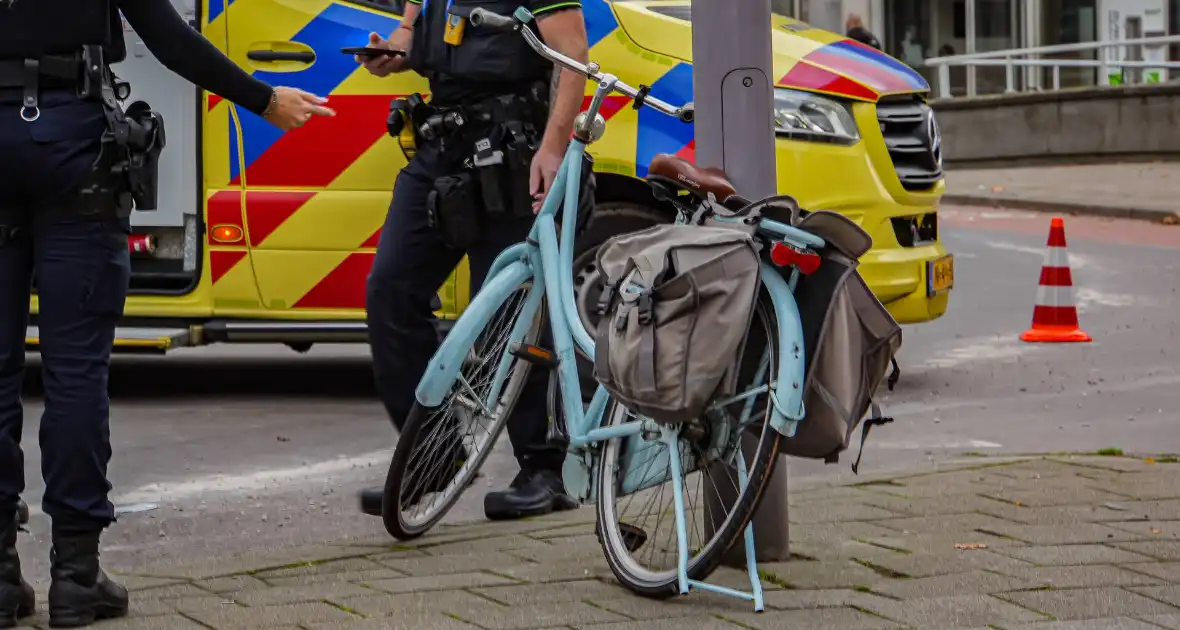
(82, 270)
(410, 266)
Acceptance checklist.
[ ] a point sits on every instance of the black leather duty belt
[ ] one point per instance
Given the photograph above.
(60, 70)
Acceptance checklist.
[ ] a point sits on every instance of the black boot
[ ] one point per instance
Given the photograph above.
(16, 596)
(372, 498)
(81, 592)
(532, 493)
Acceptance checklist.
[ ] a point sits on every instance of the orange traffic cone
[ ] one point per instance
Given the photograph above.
(1055, 317)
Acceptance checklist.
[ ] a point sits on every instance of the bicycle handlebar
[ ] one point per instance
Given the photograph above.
(482, 18)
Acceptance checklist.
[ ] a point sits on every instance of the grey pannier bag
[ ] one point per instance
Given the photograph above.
(849, 341)
(674, 316)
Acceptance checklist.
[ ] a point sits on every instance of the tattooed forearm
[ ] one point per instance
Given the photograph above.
(553, 83)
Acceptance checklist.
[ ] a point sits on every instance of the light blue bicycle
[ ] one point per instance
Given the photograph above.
(614, 458)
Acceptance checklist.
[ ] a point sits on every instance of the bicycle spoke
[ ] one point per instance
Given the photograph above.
(461, 427)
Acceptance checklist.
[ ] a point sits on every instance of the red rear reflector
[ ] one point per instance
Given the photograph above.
(141, 244)
(784, 255)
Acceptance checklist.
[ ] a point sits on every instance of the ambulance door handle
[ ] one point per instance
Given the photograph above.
(281, 55)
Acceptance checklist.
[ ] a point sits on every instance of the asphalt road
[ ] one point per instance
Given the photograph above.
(222, 450)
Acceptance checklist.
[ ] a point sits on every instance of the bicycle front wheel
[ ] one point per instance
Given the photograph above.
(441, 449)
(635, 483)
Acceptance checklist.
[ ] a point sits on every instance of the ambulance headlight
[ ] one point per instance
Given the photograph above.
(806, 116)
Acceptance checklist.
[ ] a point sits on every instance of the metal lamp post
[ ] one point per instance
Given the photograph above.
(733, 92)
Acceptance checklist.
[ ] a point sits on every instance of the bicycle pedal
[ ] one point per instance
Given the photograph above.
(536, 355)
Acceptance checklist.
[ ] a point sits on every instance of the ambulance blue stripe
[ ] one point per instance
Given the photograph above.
(336, 27)
(880, 59)
(660, 133)
(217, 7)
(600, 20)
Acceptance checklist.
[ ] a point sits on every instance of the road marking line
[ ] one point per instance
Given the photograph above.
(250, 481)
(1076, 261)
(917, 408)
(914, 446)
(1087, 298)
(991, 348)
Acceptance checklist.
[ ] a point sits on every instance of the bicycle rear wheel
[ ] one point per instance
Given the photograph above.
(634, 463)
(441, 449)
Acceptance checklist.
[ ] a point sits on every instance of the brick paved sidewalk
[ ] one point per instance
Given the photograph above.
(1149, 190)
(1054, 543)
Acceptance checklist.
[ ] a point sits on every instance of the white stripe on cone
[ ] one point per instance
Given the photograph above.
(1056, 257)
(1054, 296)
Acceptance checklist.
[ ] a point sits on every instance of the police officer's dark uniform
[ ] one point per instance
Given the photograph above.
(489, 94)
(64, 216)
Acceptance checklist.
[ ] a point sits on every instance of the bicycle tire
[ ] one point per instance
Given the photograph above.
(391, 504)
(710, 557)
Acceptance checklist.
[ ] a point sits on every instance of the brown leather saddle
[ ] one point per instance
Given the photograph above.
(676, 173)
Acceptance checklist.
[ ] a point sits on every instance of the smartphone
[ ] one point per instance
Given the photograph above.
(365, 51)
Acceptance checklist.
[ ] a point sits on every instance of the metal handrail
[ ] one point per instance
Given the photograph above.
(1015, 57)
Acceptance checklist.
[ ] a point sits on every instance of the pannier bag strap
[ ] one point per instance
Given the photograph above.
(637, 294)
(877, 419)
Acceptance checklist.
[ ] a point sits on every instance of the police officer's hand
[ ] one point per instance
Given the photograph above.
(384, 65)
(294, 107)
(542, 173)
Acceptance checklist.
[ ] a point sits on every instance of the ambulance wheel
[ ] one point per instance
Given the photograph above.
(609, 219)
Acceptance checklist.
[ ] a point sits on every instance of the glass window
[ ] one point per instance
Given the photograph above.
(788, 8)
(1069, 22)
(997, 27)
(916, 30)
(394, 6)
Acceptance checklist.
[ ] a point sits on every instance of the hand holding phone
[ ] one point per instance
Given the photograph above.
(383, 57)
(371, 53)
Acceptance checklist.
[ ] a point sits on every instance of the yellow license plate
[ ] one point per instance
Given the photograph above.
(940, 275)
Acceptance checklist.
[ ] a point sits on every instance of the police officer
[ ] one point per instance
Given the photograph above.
(854, 28)
(71, 159)
(471, 71)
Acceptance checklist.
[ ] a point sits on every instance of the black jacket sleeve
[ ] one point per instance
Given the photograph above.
(864, 36)
(187, 53)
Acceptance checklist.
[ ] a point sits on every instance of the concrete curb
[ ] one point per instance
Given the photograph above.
(1167, 217)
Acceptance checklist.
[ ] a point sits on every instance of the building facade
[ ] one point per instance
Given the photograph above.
(916, 30)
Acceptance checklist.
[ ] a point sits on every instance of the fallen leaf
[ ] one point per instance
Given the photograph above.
(969, 546)
(1155, 531)
(997, 189)
(1017, 503)
(1150, 460)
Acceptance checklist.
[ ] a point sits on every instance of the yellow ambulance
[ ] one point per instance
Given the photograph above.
(268, 237)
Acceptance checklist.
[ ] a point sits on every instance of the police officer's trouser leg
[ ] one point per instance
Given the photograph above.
(538, 488)
(83, 269)
(79, 254)
(16, 265)
(410, 265)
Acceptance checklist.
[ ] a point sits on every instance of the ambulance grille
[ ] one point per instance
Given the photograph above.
(913, 140)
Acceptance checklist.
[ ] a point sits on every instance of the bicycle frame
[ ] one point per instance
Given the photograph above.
(543, 257)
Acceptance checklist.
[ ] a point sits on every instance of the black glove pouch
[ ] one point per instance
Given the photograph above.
(454, 209)
(504, 186)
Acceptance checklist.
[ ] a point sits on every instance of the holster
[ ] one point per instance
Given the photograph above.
(134, 138)
(503, 159)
